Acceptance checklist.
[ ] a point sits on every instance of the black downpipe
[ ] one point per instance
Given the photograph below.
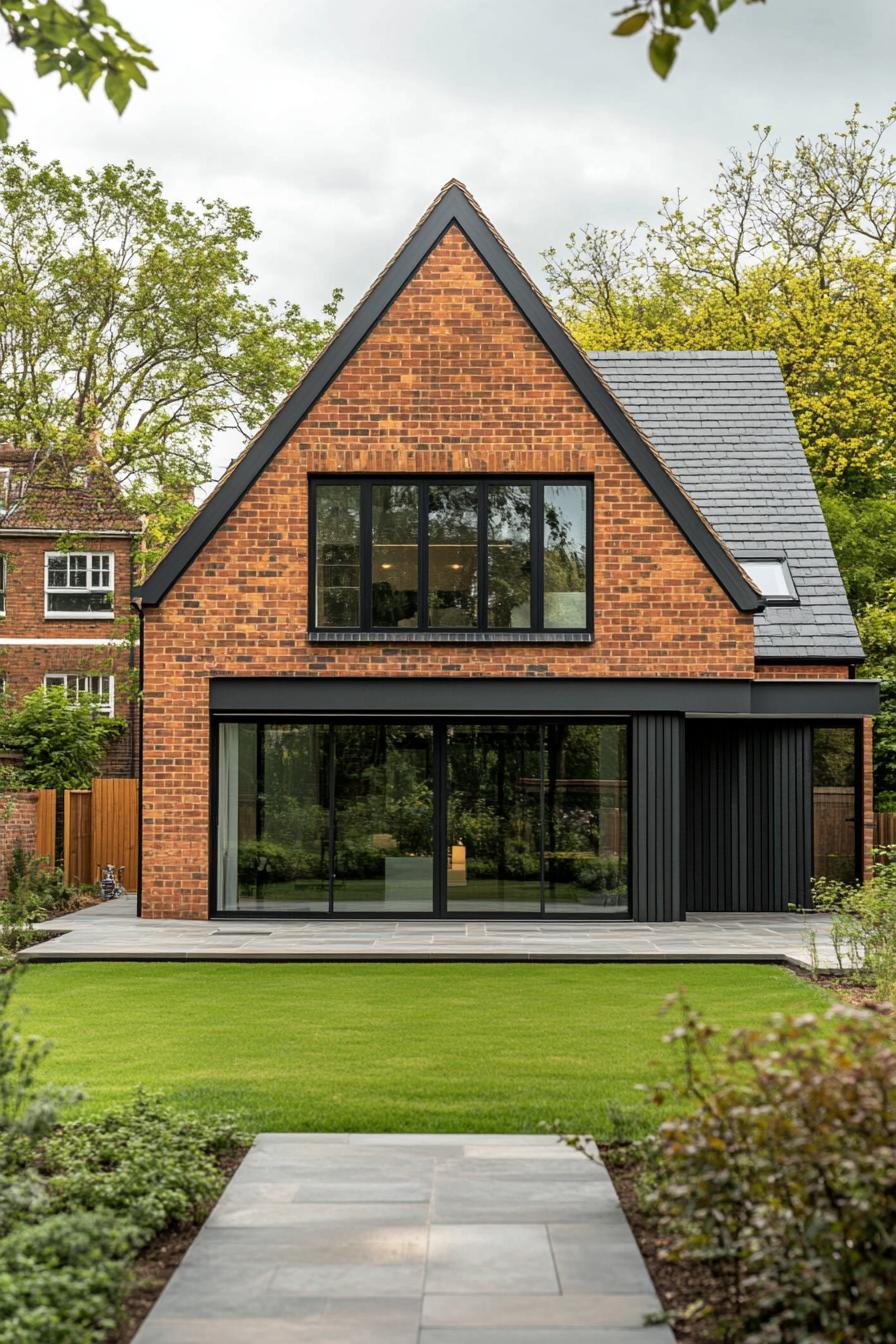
(140, 770)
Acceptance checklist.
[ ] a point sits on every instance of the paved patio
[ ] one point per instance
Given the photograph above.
(411, 1239)
(112, 932)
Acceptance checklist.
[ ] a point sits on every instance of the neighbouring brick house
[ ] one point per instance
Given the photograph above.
(67, 541)
(481, 625)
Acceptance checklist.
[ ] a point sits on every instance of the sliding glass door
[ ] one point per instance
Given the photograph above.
(537, 819)
(494, 819)
(413, 818)
(383, 819)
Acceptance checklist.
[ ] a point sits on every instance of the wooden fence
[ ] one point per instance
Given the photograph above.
(99, 826)
(884, 829)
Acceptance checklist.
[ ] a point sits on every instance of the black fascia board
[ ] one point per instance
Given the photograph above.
(497, 697)
(454, 208)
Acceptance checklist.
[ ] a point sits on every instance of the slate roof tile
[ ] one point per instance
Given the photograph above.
(723, 424)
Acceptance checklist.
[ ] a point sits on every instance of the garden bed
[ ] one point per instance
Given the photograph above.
(678, 1285)
(157, 1262)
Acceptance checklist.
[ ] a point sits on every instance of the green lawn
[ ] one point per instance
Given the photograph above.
(454, 1047)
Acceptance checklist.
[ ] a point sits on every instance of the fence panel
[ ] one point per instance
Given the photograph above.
(884, 829)
(77, 848)
(114, 826)
(45, 826)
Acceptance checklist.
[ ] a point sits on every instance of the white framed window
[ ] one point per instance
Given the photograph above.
(76, 684)
(2, 585)
(79, 584)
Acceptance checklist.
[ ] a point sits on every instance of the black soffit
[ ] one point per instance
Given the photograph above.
(453, 207)
(547, 697)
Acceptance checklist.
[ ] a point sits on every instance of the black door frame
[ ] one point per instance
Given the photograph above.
(439, 724)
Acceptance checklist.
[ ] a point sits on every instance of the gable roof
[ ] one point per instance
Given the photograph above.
(52, 494)
(453, 207)
(723, 422)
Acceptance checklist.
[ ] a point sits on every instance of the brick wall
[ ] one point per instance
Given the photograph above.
(23, 666)
(801, 671)
(18, 814)
(451, 380)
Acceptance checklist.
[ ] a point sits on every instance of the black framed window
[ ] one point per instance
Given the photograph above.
(461, 554)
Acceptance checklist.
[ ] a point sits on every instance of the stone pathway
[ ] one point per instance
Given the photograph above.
(112, 932)
(411, 1239)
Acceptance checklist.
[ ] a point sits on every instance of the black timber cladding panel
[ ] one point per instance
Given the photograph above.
(656, 802)
(748, 822)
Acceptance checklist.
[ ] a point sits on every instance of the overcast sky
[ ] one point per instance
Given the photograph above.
(337, 121)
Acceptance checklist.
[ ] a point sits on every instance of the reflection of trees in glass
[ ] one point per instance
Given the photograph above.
(493, 802)
(384, 800)
(509, 555)
(833, 757)
(564, 538)
(284, 834)
(453, 550)
(394, 528)
(338, 557)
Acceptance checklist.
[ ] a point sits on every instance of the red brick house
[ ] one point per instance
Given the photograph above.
(480, 625)
(67, 541)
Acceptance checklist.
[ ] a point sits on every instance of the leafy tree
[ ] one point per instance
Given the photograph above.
(127, 321)
(666, 20)
(62, 742)
(81, 45)
(795, 254)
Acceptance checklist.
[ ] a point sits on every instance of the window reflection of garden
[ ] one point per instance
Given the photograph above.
(525, 796)
(536, 817)
(383, 818)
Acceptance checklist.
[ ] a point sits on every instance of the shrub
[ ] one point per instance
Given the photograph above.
(781, 1177)
(863, 923)
(34, 892)
(62, 741)
(62, 1280)
(144, 1160)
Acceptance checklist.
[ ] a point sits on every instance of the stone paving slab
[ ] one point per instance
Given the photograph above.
(347, 1239)
(116, 934)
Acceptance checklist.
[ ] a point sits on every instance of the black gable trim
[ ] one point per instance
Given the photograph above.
(454, 207)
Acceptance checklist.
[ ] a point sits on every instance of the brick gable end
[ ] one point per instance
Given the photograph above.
(452, 379)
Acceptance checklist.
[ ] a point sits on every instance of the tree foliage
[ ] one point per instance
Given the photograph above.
(797, 254)
(665, 21)
(63, 743)
(81, 45)
(128, 320)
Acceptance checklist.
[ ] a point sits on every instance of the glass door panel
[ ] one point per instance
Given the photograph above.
(383, 818)
(586, 820)
(493, 804)
(273, 852)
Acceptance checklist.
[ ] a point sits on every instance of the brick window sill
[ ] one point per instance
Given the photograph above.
(450, 637)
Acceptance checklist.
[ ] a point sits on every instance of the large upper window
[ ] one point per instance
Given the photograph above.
(79, 583)
(451, 554)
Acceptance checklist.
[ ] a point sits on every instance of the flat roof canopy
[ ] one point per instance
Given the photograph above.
(448, 697)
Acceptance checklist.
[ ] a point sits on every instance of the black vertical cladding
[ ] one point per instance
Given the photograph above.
(748, 826)
(657, 755)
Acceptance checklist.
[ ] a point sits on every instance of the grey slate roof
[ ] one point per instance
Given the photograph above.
(722, 422)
